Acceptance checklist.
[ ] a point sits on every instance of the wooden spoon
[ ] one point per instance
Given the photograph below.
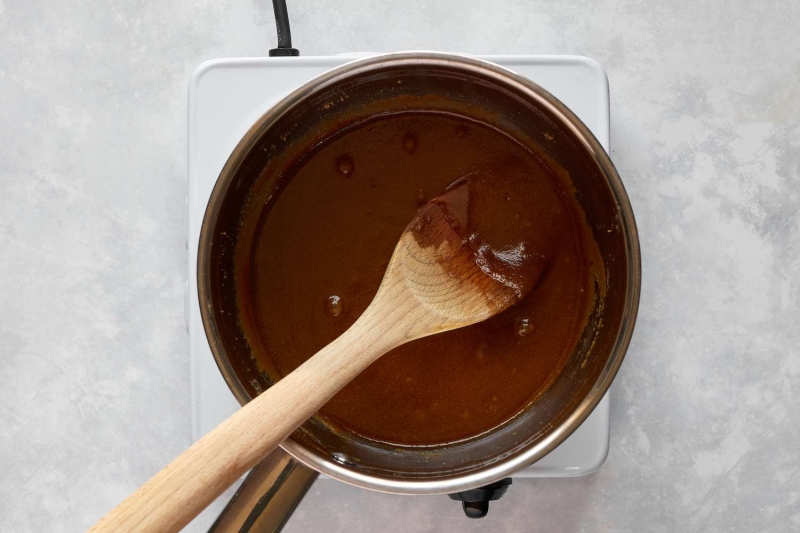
(432, 284)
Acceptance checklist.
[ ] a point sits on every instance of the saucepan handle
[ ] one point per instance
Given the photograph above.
(267, 497)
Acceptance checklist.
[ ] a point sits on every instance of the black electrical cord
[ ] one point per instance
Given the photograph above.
(284, 33)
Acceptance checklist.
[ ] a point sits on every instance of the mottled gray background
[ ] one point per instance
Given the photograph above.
(94, 387)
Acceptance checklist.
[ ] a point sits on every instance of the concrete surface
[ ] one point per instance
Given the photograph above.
(705, 132)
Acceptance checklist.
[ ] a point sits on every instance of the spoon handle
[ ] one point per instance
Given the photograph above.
(176, 494)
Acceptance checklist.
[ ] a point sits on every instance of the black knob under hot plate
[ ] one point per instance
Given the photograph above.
(475, 502)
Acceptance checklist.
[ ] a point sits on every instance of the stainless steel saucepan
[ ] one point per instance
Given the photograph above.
(438, 82)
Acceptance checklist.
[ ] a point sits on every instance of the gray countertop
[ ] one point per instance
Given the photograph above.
(705, 131)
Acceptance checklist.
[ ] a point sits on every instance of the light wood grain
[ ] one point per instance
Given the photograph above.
(431, 285)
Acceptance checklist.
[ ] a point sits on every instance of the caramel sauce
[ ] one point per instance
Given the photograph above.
(323, 245)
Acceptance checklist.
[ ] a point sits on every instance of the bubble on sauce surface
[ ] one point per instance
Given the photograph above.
(421, 200)
(410, 142)
(523, 326)
(333, 304)
(345, 166)
(480, 353)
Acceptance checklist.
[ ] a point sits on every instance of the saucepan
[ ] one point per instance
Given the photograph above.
(252, 177)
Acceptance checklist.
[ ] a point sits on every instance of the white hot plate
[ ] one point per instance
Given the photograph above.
(226, 96)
